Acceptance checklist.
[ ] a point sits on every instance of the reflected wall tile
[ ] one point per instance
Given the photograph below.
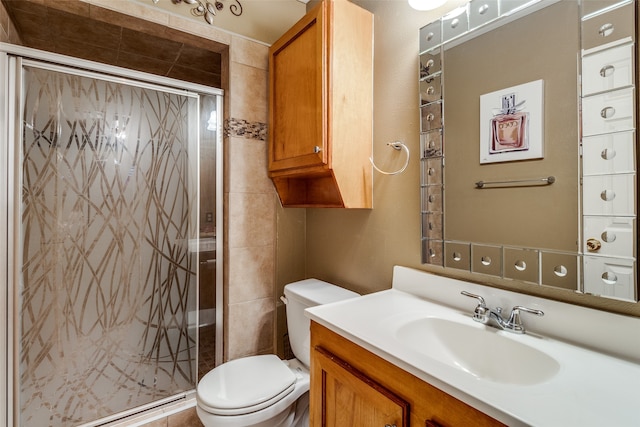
(251, 271)
(251, 219)
(251, 328)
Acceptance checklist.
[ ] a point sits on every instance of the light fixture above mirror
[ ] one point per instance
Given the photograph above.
(426, 4)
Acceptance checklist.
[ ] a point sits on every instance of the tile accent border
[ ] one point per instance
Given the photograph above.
(244, 129)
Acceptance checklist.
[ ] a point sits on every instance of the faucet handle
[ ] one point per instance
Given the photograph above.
(514, 324)
(481, 312)
(478, 297)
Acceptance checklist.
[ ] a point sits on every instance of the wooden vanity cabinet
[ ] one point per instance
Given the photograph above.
(351, 386)
(321, 108)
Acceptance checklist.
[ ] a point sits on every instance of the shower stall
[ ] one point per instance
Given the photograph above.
(102, 221)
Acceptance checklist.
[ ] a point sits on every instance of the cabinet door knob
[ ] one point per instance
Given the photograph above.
(607, 70)
(608, 153)
(607, 112)
(431, 423)
(606, 30)
(317, 149)
(593, 245)
(608, 195)
(609, 278)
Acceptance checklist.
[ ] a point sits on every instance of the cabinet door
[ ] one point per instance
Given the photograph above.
(347, 397)
(297, 135)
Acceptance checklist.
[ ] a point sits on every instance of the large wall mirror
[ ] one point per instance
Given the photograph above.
(528, 143)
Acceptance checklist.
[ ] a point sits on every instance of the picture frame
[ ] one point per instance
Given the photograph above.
(512, 123)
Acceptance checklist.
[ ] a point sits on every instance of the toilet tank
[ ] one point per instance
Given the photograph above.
(303, 294)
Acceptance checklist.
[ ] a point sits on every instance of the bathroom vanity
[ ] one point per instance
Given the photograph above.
(354, 387)
(413, 355)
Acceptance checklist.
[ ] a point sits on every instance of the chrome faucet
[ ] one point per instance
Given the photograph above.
(484, 314)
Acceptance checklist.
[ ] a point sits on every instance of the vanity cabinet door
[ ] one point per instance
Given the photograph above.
(297, 129)
(352, 387)
(350, 398)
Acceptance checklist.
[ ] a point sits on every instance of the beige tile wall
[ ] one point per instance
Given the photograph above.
(251, 209)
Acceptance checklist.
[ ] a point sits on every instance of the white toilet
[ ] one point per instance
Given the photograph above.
(265, 391)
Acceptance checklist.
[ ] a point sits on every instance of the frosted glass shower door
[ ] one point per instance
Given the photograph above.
(109, 204)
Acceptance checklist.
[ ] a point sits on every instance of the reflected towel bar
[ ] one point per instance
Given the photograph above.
(517, 183)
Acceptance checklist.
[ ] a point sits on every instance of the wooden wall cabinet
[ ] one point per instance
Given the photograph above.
(351, 386)
(321, 108)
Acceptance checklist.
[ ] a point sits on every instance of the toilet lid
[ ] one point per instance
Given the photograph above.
(245, 385)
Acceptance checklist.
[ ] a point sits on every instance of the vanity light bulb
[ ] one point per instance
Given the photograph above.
(426, 4)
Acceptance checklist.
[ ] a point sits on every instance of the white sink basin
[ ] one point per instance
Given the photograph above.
(482, 351)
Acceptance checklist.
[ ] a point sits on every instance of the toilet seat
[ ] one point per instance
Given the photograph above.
(245, 385)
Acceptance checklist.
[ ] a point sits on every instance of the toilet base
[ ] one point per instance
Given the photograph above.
(297, 415)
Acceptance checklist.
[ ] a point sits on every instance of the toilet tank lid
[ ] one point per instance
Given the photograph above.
(312, 292)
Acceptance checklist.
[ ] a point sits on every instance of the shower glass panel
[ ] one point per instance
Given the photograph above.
(109, 207)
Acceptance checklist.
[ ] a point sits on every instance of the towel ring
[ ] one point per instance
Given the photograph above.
(397, 145)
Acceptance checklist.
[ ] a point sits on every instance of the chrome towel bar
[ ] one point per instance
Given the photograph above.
(517, 182)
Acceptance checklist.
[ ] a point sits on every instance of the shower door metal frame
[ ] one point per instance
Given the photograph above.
(12, 59)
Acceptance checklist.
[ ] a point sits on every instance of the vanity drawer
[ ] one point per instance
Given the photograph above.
(608, 112)
(455, 23)
(611, 236)
(432, 171)
(610, 277)
(482, 11)
(430, 36)
(431, 116)
(432, 198)
(430, 89)
(612, 195)
(608, 27)
(609, 153)
(430, 63)
(431, 144)
(607, 69)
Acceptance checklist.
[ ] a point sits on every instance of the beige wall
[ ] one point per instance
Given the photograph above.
(358, 249)
(250, 202)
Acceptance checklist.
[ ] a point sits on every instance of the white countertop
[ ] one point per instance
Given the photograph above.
(590, 388)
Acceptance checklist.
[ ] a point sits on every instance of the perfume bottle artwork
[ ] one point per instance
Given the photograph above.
(509, 127)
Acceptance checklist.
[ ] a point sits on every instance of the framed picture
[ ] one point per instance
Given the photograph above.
(511, 123)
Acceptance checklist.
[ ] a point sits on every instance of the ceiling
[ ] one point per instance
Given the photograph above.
(87, 31)
(261, 20)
